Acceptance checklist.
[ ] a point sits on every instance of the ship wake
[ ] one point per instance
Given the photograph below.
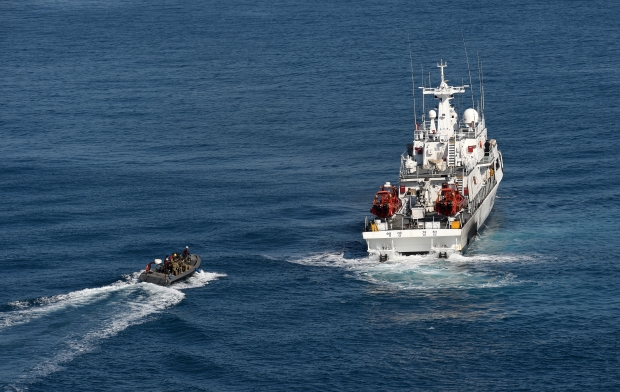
(39, 336)
(422, 272)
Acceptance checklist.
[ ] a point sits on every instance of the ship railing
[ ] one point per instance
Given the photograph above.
(401, 222)
(488, 157)
(459, 134)
(465, 133)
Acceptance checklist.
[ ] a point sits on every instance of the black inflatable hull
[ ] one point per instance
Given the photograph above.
(167, 280)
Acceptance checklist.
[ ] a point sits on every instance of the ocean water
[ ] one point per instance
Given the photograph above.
(257, 134)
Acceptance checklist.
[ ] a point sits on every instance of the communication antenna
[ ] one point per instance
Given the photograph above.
(415, 118)
(471, 87)
(481, 81)
(482, 74)
(423, 86)
(479, 77)
(460, 97)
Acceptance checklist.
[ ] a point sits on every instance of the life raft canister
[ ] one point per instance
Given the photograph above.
(386, 202)
(449, 202)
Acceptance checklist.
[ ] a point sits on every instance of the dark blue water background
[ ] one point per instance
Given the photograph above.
(257, 134)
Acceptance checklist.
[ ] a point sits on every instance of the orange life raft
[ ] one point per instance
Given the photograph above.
(386, 202)
(450, 201)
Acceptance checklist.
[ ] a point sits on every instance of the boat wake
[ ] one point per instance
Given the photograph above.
(39, 336)
(424, 272)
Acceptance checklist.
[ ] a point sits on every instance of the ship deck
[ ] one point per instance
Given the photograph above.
(422, 173)
(434, 220)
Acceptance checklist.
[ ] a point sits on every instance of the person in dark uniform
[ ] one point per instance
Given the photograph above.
(167, 265)
(186, 252)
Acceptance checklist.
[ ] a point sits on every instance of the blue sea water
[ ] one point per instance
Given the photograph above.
(257, 134)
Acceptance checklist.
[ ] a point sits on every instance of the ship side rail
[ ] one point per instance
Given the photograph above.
(488, 158)
(482, 194)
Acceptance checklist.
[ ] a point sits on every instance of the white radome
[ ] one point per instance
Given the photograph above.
(470, 116)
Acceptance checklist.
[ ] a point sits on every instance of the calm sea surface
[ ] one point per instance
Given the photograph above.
(257, 135)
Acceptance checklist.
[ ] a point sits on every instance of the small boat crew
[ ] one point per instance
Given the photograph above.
(173, 269)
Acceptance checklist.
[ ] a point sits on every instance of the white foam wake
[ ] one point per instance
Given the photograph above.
(198, 279)
(29, 310)
(89, 316)
(109, 324)
(422, 272)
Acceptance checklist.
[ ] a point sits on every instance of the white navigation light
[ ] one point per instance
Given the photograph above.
(470, 117)
(432, 114)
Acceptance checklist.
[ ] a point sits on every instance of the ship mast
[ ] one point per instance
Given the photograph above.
(446, 116)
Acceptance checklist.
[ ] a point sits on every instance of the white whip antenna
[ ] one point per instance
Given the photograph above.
(415, 118)
(479, 77)
(471, 87)
(480, 80)
(423, 86)
(482, 74)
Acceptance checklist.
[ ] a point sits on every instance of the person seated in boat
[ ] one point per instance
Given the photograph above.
(186, 252)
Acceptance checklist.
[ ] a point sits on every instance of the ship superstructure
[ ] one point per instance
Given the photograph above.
(448, 179)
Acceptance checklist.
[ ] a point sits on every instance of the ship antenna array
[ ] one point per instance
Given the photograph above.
(481, 81)
(471, 87)
(482, 74)
(415, 118)
(423, 86)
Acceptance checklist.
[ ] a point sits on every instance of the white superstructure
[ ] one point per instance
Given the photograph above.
(448, 179)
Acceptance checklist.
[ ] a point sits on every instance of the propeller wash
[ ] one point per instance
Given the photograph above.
(448, 179)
